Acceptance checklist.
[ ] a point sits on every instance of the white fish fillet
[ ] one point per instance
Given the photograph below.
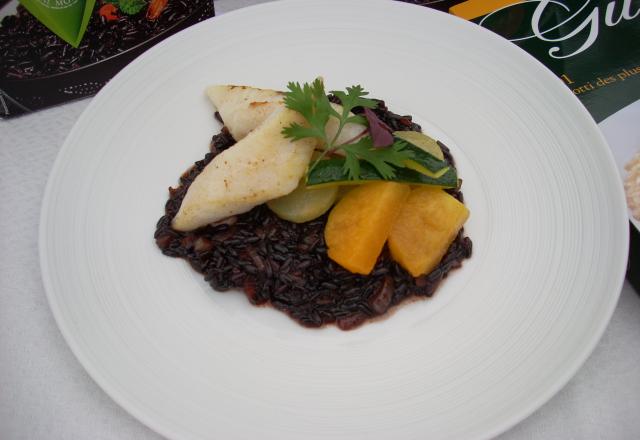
(260, 167)
(244, 108)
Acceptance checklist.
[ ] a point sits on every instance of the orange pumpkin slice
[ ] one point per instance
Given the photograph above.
(359, 224)
(427, 225)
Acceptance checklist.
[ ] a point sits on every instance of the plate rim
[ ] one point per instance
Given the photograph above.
(154, 423)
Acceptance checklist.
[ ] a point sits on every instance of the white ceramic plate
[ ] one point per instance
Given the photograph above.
(501, 336)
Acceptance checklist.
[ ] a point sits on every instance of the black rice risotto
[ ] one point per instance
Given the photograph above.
(285, 265)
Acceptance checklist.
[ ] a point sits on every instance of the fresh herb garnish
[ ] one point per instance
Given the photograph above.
(382, 159)
(380, 132)
(310, 100)
(129, 7)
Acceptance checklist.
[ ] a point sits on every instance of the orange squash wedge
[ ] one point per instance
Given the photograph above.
(428, 223)
(360, 222)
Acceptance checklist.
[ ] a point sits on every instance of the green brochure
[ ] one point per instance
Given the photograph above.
(592, 45)
(68, 19)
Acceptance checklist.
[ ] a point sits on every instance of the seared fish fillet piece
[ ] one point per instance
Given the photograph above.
(260, 167)
(244, 108)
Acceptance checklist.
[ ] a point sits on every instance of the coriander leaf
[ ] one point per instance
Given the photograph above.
(131, 7)
(296, 132)
(299, 98)
(382, 159)
(310, 100)
(351, 166)
(354, 98)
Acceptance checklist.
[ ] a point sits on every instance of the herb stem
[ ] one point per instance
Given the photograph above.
(343, 122)
(322, 155)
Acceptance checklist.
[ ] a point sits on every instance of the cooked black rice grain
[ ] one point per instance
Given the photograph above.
(286, 264)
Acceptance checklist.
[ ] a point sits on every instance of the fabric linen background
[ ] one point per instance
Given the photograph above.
(46, 394)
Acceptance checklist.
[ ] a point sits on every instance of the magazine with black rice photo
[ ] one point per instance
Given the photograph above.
(51, 60)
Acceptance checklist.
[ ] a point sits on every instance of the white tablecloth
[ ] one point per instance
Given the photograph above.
(46, 394)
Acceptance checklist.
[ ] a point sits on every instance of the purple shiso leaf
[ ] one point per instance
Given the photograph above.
(379, 131)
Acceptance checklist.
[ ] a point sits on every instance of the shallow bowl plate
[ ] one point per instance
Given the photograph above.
(501, 336)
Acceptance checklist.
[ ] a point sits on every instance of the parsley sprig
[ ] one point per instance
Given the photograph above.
(310, 100)
(129, 7)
